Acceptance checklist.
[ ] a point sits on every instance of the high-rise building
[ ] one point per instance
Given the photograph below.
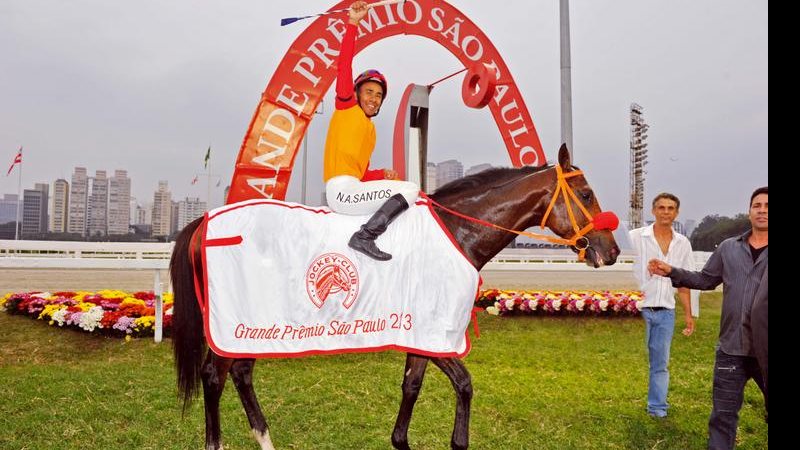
(678, 227)
(430, 178)
(638, 159)
(162, 210)
(144, 215)
(59, 206)
(34, 209)
(78, 202)
(140, 214)
(119, 200)
(98, 205)
(8, 208)
(189, 209)
(448, 171)
(478, 169)
(173, 218)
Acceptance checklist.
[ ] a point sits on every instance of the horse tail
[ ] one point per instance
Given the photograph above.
(188, 341)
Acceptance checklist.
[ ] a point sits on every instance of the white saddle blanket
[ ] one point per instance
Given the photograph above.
(281, 281)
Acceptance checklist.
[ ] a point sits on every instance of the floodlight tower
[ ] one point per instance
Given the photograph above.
(638, 159)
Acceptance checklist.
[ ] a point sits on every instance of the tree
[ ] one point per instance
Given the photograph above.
(714, 229)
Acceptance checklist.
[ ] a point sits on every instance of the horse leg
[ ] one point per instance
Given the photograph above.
(412, 383)
(462, 383)
(214, 373)
(242, 376)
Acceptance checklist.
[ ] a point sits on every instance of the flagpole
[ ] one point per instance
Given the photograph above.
(208, 181)
(19, 200)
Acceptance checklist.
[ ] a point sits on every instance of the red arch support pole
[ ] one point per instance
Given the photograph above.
(305, 73)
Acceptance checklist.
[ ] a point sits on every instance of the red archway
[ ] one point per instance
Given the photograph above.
(305, 73)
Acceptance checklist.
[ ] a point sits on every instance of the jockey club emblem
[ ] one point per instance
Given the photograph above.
(329, 274)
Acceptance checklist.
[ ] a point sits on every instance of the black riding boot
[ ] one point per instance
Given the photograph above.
(363, 240)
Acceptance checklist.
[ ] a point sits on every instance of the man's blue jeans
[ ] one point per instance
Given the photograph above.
(659, 325)
(731, 373)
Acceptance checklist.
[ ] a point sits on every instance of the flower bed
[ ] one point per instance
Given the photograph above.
(112, 313)
(560, 303)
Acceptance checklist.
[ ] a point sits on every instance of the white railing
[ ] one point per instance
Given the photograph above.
(563, 260)
(94, 255)
(550, 261)
(91, 255)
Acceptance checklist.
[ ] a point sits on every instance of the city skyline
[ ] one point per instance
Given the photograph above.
(140, 211)
(94, 206)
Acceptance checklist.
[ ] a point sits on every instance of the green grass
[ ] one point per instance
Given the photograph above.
(543, 383)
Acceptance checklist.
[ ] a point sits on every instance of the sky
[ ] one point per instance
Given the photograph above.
(148, 86)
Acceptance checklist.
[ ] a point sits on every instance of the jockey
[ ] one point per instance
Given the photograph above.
(350, 187)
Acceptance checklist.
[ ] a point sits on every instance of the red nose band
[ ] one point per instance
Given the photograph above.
(606, 220)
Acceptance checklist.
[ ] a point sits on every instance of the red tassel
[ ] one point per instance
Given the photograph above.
(606, 220)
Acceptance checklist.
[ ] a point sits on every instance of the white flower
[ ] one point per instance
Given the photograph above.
(91, 319)
(579, 304)
(493, 311)
(58, 316)
(557, 304)
(603, 305)
(497, 305)
(533, 304)
(510, 304)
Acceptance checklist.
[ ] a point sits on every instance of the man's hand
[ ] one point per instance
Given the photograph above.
(357, 11)
(658, 267)
(390, 174)
(689, 325)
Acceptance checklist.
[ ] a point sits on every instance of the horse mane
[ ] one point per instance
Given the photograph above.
(487, 179)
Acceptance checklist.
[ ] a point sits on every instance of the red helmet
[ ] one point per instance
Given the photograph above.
(371, 75)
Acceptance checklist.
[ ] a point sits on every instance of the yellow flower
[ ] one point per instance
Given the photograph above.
(168, 297)
(113, 293)
(145, 322)
(80, 295)
(4, 299)
(132, 301)
(85, 306)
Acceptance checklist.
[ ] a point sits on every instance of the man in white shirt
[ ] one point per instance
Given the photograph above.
(659, 241)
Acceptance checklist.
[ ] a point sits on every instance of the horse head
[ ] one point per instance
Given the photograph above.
(484, 212)
(573, 212)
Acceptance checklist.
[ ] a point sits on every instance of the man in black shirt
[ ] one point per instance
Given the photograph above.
(740, 264)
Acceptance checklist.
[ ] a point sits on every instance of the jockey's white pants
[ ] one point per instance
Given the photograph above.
(351, 196)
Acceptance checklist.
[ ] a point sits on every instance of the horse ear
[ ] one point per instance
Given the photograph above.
(563, 158)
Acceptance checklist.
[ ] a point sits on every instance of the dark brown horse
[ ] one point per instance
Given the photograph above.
(512, 198)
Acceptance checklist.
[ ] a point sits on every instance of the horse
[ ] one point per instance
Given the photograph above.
(507, 199)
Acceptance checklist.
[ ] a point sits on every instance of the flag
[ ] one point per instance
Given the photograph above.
(194, 180)
(208, 156)
(17, 160)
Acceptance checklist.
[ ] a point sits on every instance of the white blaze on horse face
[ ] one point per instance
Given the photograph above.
(264, 440)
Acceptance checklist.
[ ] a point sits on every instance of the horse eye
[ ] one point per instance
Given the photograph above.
(586, 195)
